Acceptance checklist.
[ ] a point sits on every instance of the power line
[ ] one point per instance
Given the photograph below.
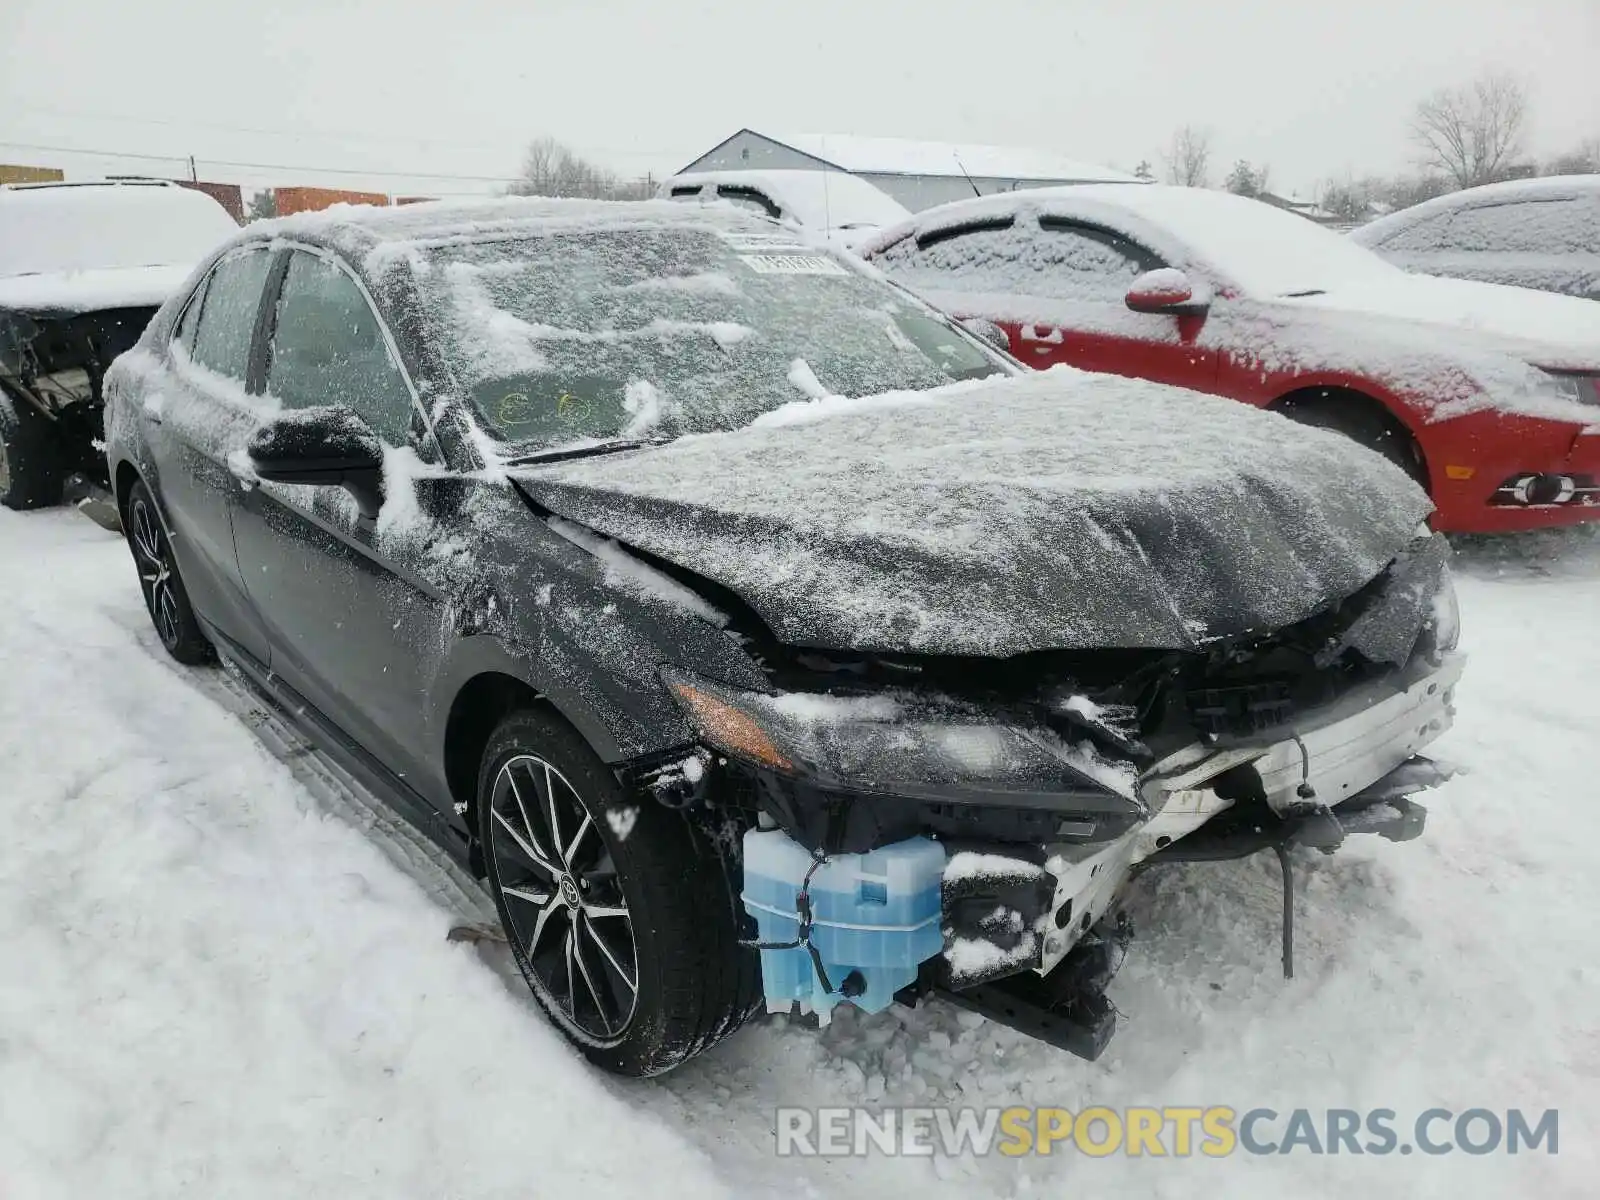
(259, 166)
(344, 135)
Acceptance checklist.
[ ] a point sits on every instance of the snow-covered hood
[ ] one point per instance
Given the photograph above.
(1061, 511)
(91, 291)
(1541, 328)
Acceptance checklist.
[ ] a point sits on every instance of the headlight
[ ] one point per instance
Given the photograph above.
(905, 747)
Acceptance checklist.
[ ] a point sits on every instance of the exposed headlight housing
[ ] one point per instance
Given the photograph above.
(903, 746)
(1446, 615)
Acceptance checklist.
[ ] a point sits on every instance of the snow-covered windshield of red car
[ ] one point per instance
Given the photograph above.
(658, 331)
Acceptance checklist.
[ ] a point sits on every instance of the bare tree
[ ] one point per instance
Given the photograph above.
(1188, 158)
(1473, 133)
(550, 168)
(1248, 180)
(1144, 171)
(1585, 160)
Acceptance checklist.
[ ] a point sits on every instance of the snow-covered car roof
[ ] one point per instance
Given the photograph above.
(87, 227)
(905, 156)
(358, 230)
(77, 247)
(1262, 249)
(1551, 187)
(824, 200)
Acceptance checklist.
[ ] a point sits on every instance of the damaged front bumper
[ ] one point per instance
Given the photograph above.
(1299, 787)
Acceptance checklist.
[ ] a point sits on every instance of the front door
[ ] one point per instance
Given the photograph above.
(1058, 288)
(355, 628)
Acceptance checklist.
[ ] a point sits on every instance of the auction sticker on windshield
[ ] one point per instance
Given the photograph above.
(792, 264)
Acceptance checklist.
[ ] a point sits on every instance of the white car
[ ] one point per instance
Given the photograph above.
(847, 210)
(83, 268)
(1535, 233)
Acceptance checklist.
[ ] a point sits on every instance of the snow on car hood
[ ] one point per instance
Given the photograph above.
(1541, 328)
(91, 291)
(1061, 511)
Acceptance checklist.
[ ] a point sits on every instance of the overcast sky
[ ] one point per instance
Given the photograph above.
(1312, 88)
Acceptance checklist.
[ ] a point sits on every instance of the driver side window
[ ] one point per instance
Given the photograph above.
(328, 348)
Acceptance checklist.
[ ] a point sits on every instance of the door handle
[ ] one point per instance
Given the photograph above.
(1043, 337)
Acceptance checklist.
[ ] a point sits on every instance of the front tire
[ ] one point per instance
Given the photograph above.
(619, 912)
(165, 597)
(32, 473)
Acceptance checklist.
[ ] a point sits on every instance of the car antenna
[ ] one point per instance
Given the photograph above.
(965, 176)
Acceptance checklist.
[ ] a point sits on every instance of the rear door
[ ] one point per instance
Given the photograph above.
(196, 423)
(1058, 288)
(354, 627)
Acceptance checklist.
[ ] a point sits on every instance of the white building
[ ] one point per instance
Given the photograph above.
(917, 174)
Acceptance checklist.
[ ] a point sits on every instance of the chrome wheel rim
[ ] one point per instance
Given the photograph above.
(155, 570)
(562, 898)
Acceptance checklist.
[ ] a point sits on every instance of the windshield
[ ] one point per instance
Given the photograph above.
(659, 331)
(47, 230)
(1267, 250)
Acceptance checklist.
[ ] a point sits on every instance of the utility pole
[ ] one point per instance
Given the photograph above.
(194, 176)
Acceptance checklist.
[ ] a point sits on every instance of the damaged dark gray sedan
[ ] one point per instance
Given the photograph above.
(759, 636)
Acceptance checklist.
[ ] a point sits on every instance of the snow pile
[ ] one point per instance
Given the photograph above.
(231, 990)
(1062, 510)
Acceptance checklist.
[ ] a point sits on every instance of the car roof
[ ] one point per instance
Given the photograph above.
(357, 230)
(1512, 191)
(811, 197)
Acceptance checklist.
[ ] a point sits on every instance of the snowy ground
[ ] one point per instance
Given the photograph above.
(226, 977)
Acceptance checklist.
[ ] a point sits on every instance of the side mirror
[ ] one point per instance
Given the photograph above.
(1167, 290)
(989, 332)
(328, 447)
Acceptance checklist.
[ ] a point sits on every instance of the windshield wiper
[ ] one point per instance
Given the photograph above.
(561, 453)
(1306, 292)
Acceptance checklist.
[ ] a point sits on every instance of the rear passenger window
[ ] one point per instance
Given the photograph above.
(227, 314)
(184, 335)
(1062, 261)
(1528, 227)
(749, 197)
(328, 348)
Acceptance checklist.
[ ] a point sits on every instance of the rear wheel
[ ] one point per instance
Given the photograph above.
(618, 911)
(31, 469)
(164, 594)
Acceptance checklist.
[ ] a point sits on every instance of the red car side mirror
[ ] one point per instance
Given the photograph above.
(1166, 290)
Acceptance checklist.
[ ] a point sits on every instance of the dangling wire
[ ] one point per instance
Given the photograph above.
(802, 906)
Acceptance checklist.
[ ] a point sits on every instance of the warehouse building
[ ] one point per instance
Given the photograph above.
(917, 174)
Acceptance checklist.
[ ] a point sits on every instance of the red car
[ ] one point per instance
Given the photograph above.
(1489, 396)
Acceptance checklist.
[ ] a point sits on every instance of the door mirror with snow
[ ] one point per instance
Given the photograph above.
(1167, 290)
(328, 447)
(989, 332)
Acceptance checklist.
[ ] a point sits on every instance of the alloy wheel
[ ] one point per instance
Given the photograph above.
(153, 553)
(563, 898)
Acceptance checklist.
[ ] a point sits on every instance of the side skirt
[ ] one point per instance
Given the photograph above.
(331, 742)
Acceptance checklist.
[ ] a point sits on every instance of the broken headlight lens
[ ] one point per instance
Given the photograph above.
(900, 745)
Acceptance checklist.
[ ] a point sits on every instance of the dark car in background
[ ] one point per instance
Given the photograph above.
(83, 268)
(615, 543)
(1532, 233)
